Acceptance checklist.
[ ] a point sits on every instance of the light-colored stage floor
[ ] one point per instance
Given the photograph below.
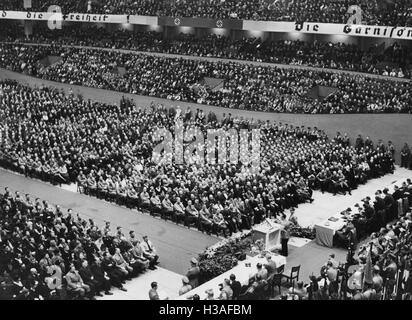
(326, 205)
(168, 282)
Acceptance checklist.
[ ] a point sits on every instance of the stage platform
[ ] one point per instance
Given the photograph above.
(327, 205)
(168, 282)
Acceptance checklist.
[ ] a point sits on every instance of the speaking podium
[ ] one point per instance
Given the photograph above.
(269, 233)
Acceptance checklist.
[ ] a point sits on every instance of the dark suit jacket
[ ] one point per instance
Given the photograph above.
(398, 194)
(193, 276)
(236, 288)
(98, 272)
(86, 274)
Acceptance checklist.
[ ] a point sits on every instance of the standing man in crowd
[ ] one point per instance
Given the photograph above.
(235, 285)
(285, 236)
(405, 156)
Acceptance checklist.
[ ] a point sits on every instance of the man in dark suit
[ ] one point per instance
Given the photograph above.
(88, 278)
(284, 237)
(236, 286)
(405, 156)
(103, 280)
(397, 193)
(380, 213)
(389, 205)
(109, 266)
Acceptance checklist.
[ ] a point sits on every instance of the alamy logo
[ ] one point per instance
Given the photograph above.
(56, 19)
(220, 146)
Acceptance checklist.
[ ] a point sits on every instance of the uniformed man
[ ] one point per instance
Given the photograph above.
(193, 273)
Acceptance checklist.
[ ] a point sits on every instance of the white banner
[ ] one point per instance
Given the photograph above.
(330, 28)
(78, 17)
(265, 26)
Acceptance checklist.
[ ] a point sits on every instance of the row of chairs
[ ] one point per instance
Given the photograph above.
(274, 280)
(155, 212)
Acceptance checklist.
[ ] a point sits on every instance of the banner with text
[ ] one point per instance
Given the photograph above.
(330, 28)
(264, 26)
(79, 17)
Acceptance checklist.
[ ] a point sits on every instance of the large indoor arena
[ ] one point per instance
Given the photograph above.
(205, 150)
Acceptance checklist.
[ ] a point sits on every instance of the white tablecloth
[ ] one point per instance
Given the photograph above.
(241, 272)
(326, 230)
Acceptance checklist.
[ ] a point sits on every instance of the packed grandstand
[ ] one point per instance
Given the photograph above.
(60, 129)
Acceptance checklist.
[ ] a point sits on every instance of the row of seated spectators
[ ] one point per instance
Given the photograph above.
(377, 12)
(245, 86)
(107, 150)
(47, 254)
(386, 276)
(371, 215)
(394, 61)
(383, 268)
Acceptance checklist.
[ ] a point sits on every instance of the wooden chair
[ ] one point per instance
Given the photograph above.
(276, 282)
(281, 269)
(294, 274)
(269, 288)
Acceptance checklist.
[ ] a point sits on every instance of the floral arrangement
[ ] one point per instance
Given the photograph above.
(223, 256)
(210, 251)
(299, 232)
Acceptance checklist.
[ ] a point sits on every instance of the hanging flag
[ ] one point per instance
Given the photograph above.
(367, 272)
(27, 4)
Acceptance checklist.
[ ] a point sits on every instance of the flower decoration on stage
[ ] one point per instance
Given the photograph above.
(300, 232)
(224, 256)
(211, 251)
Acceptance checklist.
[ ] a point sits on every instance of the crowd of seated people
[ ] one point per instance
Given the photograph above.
(389, 249)
(107, 149)
(381, 269)
(245, 86)
(373, 214)
(47, 254)
(377, 12)
(394, 61)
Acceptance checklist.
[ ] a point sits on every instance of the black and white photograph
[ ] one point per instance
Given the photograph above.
(221, 151)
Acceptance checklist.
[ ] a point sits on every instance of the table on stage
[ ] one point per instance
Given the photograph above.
(242, 272)
(326, 230)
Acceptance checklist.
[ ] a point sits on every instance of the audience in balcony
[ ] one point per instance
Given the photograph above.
(394, 61)
(245, 86)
